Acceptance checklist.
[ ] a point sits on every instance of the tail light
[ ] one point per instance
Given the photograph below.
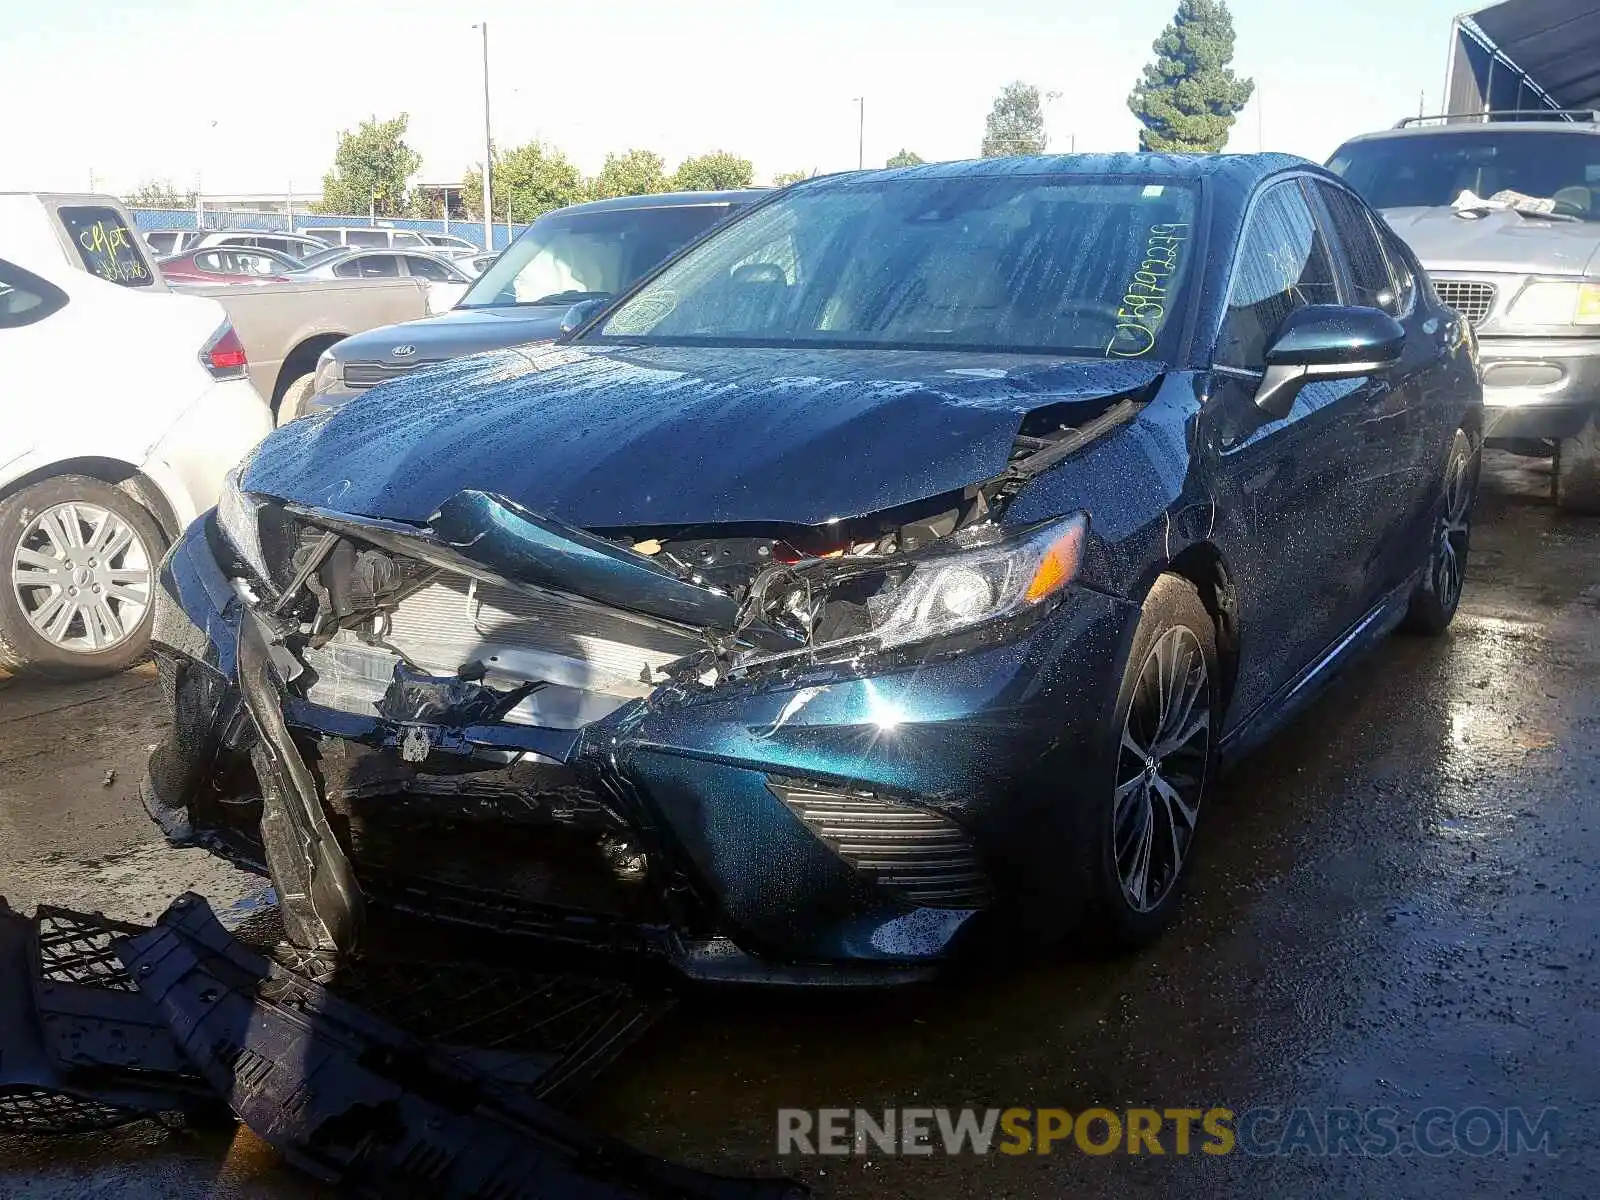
(224, 354)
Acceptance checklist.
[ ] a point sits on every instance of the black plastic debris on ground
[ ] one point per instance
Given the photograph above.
(352, 1099)
(74, 1056)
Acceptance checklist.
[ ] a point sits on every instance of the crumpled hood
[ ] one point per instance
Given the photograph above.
(453, 333)
(616, 437)
(1496, 241)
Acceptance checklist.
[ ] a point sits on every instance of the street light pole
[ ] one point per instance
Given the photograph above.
(861, 132)
(488, 148)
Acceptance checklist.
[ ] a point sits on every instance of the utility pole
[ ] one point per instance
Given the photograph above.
(861, 132)
(488, 148)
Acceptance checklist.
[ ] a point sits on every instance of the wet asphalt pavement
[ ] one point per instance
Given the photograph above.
(1395, 908)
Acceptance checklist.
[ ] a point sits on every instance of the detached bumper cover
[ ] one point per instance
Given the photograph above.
(340, 1093)
(993, 744)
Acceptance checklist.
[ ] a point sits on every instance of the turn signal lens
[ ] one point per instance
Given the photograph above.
(1057, 567)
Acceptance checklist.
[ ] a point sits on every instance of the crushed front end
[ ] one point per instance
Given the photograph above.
(783, 754)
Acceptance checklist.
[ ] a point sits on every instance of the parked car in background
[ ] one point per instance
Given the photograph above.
(295, 245)
(163, 242)
(446, 282)
(450, 242)
(478, 263)
(1505, 216)
(367, 236)
(122, 405)
(582, 252)
(889, 573)
(229, 264)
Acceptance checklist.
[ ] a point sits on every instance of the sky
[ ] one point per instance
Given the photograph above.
(246, 96)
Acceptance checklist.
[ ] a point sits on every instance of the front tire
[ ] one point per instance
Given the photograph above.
(1577, 471)
(1142, 830)
(78, 560)
(1433, 604)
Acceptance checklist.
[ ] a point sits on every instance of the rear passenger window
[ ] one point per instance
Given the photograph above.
(1353, 228)
(366, 237)
(370, 266)
(25, 298)
(1283, 265)
(426, 268)
(105, 244)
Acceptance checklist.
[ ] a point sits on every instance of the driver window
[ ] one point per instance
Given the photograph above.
(1283, 265)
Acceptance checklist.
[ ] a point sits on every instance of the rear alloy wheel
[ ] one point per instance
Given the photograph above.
(1434, 603)
(79, 558)
(1576, 470)
(1166, 723)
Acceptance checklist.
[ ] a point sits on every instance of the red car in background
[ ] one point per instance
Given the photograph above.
(229, 264)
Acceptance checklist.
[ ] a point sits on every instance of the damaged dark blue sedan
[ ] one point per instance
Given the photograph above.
(888, 575)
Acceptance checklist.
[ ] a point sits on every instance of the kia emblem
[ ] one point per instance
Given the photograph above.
(403, 351)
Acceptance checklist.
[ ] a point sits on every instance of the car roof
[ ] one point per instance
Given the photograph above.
(1241, 169)
(1461, 127)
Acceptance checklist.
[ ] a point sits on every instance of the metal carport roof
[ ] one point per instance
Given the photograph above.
(1526, 54)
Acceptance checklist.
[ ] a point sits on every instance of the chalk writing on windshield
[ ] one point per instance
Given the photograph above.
(1144, 302)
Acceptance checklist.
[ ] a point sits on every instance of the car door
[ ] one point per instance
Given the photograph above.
(1280, 484)
(1391, 469)
(30, 359)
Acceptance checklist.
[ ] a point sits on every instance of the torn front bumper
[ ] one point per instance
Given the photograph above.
(818, 824)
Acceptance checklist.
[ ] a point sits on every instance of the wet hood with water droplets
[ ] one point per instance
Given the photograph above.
(618, 437)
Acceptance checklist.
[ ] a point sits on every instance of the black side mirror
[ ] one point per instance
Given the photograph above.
(581, 313)
(1326, 341)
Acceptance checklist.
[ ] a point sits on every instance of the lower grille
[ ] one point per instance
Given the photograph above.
(1470, 298)
(370, 374)
(922, 856)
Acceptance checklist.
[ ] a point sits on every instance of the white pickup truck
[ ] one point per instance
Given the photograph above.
(122, 406)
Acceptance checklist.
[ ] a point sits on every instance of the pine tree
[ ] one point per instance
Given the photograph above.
(1015, 124)
(1189, 96)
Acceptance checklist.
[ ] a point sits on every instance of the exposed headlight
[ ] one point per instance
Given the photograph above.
(1545, 302)
(970, 579)
(239, 519)
(328, 374)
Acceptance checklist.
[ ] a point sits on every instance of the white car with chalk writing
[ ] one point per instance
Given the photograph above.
(122, 405)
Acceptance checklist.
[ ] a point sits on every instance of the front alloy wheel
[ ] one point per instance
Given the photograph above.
(1161, 769)
(1134, 835)
(1434, 603)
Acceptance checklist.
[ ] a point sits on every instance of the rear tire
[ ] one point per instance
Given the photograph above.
(1140, 833)
(294, 397)
(78, 562)
(1577, 471)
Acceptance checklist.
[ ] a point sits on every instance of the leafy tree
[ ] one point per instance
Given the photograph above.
(1015, 124)
(159, 193)
(636, 173)
(1189, 96)
(785, 178)
(713, 172)
(905, 158)
(370, 170)
(531, 179)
